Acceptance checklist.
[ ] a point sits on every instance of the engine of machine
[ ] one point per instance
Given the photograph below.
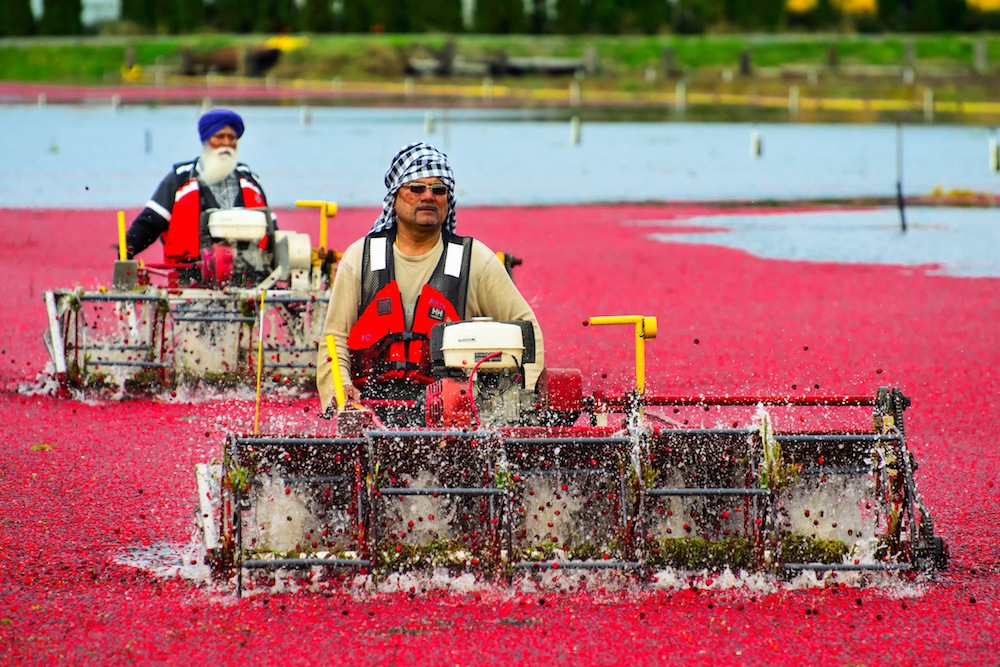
(238, 255)
(479, 366)
(482, 345)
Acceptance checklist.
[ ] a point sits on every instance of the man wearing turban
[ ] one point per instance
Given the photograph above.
(214, 180)
(410, 272)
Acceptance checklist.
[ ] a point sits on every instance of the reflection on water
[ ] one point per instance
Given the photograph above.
(95, 157)
(952, 241)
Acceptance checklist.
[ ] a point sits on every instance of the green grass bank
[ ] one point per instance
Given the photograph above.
(91, 60)
(952, 76)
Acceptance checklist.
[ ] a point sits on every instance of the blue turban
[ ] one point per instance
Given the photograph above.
(216, 119)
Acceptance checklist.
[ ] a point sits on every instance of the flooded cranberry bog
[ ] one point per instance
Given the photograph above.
(97, 494)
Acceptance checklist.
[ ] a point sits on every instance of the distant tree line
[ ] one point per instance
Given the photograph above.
(61, 17)
(539, 17)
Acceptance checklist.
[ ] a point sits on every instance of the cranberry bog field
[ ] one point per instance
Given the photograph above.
(97, 495)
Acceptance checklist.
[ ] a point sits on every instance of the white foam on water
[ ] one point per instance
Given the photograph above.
(439, 579)
(171, 561)
(554, 579)
(214, 348)
(838, 507)
(187, 562)
(676, 579)
(551, 514)
(420, 519)
(281, 517)
(675, 509)
(45, 383)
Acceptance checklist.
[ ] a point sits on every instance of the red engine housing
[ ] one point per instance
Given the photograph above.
(217, 265)
(448, 403)
(559, 392)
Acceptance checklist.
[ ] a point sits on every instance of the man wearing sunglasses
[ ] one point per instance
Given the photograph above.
(409, 273)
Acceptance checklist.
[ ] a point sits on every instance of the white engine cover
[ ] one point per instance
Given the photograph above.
(238, 224)
(466, 343)
(294, 250)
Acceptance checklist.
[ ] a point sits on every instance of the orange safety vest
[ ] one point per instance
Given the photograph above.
(182, 240)
(382, 349)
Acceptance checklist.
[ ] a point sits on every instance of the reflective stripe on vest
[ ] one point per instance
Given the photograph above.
(252, 196)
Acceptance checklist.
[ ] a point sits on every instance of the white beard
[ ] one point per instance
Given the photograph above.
(217, 163)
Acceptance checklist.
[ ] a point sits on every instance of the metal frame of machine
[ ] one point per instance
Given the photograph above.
(245, 303)
(588, 482)
(494, 479)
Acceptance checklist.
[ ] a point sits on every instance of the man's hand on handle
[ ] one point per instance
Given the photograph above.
(352, 396)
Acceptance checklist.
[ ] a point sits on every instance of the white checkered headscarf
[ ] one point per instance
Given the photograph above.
(412, 162)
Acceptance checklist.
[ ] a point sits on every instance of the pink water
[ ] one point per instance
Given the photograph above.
(82, 483)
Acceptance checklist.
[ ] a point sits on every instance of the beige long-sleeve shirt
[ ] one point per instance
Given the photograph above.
(491, 294)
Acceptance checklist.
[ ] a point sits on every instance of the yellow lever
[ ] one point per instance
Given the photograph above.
(338, 386)
(327, 209)
(260, 361)
(122, 250)
(645, 329)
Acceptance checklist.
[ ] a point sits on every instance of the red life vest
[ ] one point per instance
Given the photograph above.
(182, 240)
(382, 349)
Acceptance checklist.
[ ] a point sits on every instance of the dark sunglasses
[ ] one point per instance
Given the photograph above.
(437, 189)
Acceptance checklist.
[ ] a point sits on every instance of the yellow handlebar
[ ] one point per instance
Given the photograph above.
(122, 249)
(338, 387)
(645, 329)
(326, 209)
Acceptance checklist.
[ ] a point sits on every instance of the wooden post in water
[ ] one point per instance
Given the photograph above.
(900, 202)
(755, 143)
(994, 153)
(574, 130)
